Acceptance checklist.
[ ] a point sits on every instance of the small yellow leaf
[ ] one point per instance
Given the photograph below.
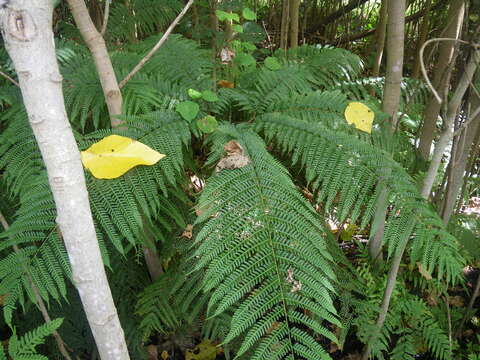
(360, 115)
(206, 350)
(114, 155)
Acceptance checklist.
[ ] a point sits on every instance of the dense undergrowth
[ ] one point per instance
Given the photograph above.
(260, 222)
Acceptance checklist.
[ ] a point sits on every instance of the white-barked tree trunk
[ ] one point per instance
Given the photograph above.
(26, 27)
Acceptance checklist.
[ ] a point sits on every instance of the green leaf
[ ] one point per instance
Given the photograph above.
(245, 59)
(209, 96)
(272, 63)
(249, 14)
(223, 16)
(248, 46)
(194, 94)
(208, 124)
(188, 110)
(237, 28)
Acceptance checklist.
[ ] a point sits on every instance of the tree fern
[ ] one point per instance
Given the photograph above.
(264, 254)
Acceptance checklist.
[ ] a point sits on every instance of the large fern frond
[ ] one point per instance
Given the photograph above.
(264, 255)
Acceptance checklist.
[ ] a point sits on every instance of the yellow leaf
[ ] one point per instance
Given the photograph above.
(206, 350)
(360, 115)
(114, 155)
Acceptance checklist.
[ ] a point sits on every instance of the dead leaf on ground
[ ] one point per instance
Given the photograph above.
(206, 350)
(187, 233)
(235, 157)
(456, 301)
(152, 351)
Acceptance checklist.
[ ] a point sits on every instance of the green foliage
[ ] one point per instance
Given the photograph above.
(23, 348)
(263, 252)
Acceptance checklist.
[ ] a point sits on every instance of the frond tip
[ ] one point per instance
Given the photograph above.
(264, 255)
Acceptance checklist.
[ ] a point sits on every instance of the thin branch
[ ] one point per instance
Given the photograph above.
(422, 64)
(106, 12)
(9, 78)
(157, 46)
(466, 123)
(476, 292)
(41, 305)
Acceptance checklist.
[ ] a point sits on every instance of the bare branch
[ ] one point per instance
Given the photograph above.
(9, 78)
(422, 64)
(157, 46)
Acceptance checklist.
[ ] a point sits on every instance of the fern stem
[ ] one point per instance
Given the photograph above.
(41, 305)
(275, 256)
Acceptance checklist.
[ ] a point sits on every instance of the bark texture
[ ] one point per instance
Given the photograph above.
(103, 64)
(458, 162)
(452, 112)
(380, 35)
(440, 77)
(294, 21)
(27, 32)
(391, 103)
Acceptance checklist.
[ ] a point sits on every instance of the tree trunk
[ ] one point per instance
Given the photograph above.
(284, 25)
(452, 111)
(103, 64)
(380, 35)
(440, 77)
(458, 162)
(391, 103)
(294, 22)
(408, 19)
(422, 38)
(27, 32)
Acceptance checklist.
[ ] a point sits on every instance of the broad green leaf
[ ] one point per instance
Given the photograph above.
(114, 155)
(188, 110)
(238, 28)
(194, 94)
(248, 46)
(208, 124)
(223, 16)
(360, 115)
(245, 59)
(249, 14)
(272, 63)
(209, 96)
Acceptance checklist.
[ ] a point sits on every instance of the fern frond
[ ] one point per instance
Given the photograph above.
(265, 257)
(24, 347)
(345, 171)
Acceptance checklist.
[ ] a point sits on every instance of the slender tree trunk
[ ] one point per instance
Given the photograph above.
(422, 38)
(103, 64)
(380, 35)
(284, 25)
(294, 22)
(391, 103)
(452, 112)
(458, 162)
(27, 32)
(108, 81)
(440, 77)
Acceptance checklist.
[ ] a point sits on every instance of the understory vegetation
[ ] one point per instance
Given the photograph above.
(261, 216)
